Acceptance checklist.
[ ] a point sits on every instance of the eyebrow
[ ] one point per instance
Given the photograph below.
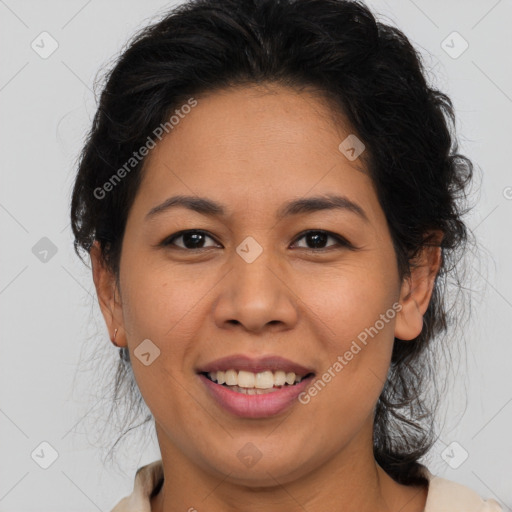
(211, 208)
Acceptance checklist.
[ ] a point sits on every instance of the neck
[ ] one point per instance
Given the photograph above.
(348, 480)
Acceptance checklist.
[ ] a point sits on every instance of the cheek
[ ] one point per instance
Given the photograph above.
(350, 299)
(167, 307)
(166, 312)
(355, 310)
(158, 301)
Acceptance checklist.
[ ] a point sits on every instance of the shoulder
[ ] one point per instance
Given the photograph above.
(448, 496)
(146, 479)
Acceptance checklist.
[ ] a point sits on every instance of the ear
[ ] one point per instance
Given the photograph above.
(108, 295)
(417, 289)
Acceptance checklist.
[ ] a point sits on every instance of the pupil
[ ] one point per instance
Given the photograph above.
(196, 240)
(317, 238)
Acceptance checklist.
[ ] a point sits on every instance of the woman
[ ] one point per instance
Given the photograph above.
(271, 199)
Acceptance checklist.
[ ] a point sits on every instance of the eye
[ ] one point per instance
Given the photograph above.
(193, 239)
(319, 238)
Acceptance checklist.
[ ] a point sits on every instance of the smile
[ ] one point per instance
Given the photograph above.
(252, 401)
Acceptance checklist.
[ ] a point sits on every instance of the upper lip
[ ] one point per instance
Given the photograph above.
(255, 365)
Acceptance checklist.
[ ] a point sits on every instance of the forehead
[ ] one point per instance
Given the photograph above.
(248, 119)
(255, 146)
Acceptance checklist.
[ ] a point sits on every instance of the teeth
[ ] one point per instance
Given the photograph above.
(263, 380)
(250, 380)
(252, 391)
(247, 379)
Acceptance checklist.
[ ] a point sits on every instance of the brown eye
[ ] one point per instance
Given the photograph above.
(191, 240)
(194, 240)
(318, 238)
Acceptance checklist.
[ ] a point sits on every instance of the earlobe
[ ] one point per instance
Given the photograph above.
(107, 293)
(409, 321)
(416, 293)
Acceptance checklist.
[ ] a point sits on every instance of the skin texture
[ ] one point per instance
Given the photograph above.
(253, 149)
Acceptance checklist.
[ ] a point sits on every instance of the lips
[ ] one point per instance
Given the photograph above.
(255, 406)
(255, 365)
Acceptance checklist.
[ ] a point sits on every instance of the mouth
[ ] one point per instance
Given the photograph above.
(251, 387)
(255, 394)
(250, 383)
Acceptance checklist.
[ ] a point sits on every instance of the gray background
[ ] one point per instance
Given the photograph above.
(50, 321)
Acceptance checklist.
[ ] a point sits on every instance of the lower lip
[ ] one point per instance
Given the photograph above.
(255, 406)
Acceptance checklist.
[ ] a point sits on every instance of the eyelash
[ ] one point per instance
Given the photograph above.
(341, 242)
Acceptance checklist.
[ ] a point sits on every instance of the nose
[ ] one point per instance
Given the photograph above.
(256, 295)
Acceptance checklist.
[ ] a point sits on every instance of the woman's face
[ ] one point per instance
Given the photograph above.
(252, 283)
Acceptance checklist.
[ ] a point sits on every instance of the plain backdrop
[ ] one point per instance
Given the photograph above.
(48, 309)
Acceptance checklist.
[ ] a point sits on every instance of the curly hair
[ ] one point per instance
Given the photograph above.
(375, 79)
